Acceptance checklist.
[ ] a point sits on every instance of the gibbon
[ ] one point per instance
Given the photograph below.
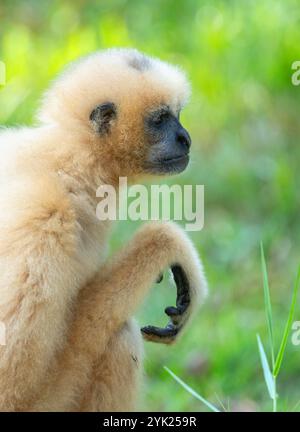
(71, 342)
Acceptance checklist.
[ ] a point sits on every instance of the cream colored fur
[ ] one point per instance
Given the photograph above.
(71, 341)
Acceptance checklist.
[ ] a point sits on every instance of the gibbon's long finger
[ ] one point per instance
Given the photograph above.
(183, 299)
(178, 314)
(165, 335)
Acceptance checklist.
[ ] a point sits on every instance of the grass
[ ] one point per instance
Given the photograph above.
(271, 373)
(192, 392)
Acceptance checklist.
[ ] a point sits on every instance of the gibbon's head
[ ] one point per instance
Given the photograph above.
(126, 106)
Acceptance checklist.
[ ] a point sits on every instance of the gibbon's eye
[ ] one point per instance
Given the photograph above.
(102, 116)
(159, 118)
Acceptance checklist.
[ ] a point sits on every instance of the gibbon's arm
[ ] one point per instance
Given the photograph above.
(113, 297)
(121, 285)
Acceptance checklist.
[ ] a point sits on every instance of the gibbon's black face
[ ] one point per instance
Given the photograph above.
(169, 143)
(166, 143)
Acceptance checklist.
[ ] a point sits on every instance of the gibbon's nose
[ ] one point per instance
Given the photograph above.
(184, 139)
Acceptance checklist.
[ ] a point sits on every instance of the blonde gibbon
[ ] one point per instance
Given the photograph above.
(71, 341)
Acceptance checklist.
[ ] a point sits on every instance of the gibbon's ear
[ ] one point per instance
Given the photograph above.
(102, 117)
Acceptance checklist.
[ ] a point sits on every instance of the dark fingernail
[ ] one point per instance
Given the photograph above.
(160, 278)
(172, 311)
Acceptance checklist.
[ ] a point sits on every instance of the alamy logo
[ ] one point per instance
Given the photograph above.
(296, 74)
(296, 333)
(158, 202)
(2, 74)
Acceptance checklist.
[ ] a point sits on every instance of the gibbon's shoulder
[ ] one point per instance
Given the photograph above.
(36, 211)
(12, 137)
(15, 142)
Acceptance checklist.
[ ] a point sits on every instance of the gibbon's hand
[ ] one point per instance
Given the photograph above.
(178, 314)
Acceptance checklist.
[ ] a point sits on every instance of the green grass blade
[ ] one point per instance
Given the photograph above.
(288, 326)
(268, 306)
(191, 391)
(269, 379)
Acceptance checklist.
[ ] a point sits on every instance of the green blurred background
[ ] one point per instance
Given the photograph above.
(244, 121)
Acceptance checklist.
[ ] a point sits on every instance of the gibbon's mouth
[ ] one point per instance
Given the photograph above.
(169, 165)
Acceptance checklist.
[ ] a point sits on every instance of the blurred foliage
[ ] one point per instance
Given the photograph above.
(244, 120)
